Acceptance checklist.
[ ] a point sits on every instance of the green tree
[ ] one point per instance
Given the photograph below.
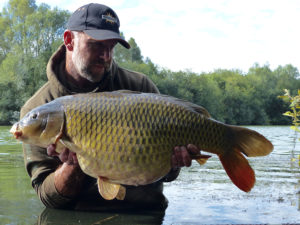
(121, 54)
(29, 35)
(135, 52)
(125, 56)
(294, 107)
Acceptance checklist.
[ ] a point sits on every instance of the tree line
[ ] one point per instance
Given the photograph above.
(30, 33)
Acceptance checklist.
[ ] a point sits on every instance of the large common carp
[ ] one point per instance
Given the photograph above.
(126, 137)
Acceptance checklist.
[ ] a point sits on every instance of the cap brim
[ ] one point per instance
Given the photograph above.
(102, 35)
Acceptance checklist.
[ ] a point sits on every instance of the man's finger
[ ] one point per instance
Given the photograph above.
(186, 159)
(75, 160)
(70, 159)
(51, 150)
(193, 149)
(177, 152)
(64, 155)
(174, 162)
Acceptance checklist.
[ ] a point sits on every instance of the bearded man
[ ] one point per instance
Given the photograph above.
(82, 64)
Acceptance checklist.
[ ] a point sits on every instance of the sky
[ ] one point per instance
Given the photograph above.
(204, 35)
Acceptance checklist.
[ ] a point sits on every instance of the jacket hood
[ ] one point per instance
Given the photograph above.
(56, 75)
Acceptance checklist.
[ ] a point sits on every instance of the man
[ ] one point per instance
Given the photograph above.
(84, 64)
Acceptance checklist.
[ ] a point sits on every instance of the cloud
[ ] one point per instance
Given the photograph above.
(205, 35)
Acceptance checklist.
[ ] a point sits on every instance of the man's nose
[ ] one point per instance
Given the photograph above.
(105, 54)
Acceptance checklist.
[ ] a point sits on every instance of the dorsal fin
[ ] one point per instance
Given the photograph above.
(192, 106)
(199, 109)
(124, 91)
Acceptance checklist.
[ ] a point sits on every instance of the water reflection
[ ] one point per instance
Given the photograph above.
(57, 217)
(209, 194)
(295, 164)
(298, 193)
(200, 194)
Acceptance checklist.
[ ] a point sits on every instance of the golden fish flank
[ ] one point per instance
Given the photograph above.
(122, 139)
(127, 137)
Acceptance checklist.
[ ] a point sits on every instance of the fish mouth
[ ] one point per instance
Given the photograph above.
(16, 131)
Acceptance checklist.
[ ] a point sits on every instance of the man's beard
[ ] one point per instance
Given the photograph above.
(84, 68)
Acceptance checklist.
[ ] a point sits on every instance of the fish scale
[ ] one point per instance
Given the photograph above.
(125, 137)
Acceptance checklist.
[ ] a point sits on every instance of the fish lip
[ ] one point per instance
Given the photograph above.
(16, 131)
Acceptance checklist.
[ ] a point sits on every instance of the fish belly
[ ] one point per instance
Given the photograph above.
(129, 139)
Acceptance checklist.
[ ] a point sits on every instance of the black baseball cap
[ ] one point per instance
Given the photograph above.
(98, 21)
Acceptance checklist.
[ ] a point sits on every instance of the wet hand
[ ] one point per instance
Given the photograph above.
(66, 156)
(68, 177)
(182, 155)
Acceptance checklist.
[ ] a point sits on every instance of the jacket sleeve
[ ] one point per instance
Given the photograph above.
(41, 168)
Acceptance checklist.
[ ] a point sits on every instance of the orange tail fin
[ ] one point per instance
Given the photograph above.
(250, 143)
(238, 169)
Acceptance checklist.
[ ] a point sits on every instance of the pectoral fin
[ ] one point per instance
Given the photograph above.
(121, 194)
(200, 158)
(110, 191)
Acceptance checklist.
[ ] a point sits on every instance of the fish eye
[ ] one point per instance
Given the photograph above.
(34, 116)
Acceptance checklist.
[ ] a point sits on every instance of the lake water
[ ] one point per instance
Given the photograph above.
(200, 195)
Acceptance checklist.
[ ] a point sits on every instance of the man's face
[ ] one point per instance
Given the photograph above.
(92, 58)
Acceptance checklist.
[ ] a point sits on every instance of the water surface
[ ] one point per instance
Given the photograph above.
(200, 195)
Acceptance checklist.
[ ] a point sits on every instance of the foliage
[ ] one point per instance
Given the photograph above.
(294, 113)
(229, 95)
(295, 108)
(133, 54)
(30, 33)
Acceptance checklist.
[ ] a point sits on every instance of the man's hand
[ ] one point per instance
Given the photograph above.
(66, 156)
(68, 178)
(182, 155)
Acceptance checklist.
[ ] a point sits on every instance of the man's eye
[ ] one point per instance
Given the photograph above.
(95, 44)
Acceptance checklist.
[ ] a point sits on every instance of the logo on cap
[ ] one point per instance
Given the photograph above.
(109, 18)
(82, 8)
